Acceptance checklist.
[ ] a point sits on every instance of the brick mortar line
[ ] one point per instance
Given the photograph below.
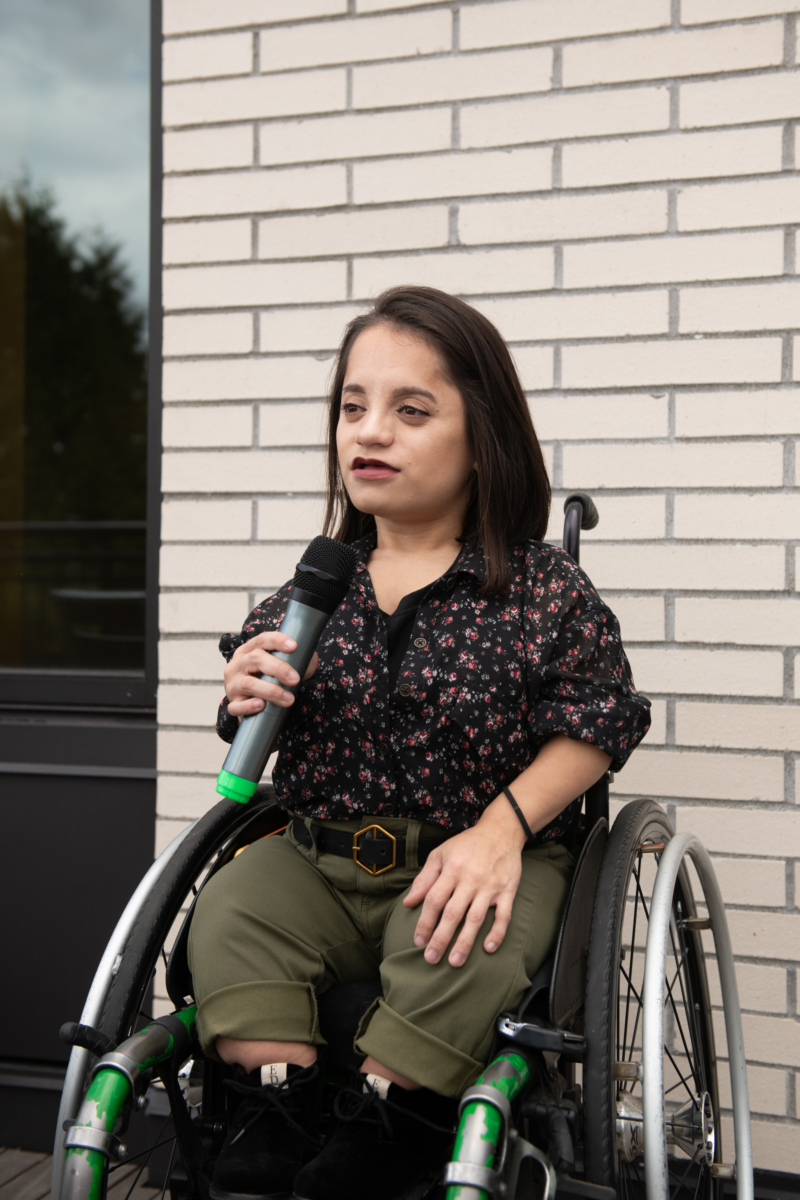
(467, 151)
(623, 393)
(476, 102)
(721, 74)
(464, 248)
(441, 5)
(713, 335)
(657, 287)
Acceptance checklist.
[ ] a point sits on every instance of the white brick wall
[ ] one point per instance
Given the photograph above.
(615, 185)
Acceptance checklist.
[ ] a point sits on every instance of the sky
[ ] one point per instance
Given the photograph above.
(74, 114)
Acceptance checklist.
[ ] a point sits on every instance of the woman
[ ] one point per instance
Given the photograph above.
(469, 688)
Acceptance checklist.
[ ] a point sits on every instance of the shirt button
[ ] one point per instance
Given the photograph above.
(405, 689)
(383, 749)
(420, 643)
(387, 810)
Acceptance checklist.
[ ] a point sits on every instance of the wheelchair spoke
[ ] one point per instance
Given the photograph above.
(689, 1091)
(692, 1019)
(680, 1182)
(633, 949)
(639, 1179)
(700, 1177)
(694, 1057)
(690, 1054)
(169, 1168)
(631, 988)
(671, 984)
(635, 1030)
(138, 1174)
(130, 1157)
(641, 893)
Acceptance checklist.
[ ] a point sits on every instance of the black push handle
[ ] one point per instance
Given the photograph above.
(580, 512)
(75, 1034)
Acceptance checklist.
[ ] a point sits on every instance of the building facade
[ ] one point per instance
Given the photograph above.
(614, 184)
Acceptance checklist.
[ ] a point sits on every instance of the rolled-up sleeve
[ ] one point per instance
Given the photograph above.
(579, 679)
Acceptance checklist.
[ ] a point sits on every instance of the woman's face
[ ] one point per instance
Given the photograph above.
(401, 437)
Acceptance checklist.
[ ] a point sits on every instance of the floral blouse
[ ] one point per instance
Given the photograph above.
(485, 682)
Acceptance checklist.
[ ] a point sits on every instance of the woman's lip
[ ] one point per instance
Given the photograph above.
(373, 468)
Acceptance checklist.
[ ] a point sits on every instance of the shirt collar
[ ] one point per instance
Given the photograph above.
(470, 561)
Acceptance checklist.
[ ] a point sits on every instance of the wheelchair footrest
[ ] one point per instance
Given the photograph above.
(535, 1035)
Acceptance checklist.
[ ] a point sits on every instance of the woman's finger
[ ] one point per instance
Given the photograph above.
(259, 662)
(438, 895)
(476, 915)
(451, 917)
(423, 883)
(257, 689)
(502, 920)
(273, 640)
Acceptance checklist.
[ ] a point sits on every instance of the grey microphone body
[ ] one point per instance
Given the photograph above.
(319, 586)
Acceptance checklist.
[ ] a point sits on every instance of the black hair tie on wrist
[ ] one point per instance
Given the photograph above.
(519, 813)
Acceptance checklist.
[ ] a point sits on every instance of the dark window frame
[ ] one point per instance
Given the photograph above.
(31, 688)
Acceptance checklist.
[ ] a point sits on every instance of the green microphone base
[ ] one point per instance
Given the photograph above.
(233, 787)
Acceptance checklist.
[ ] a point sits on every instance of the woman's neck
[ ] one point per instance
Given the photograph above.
(405, 559)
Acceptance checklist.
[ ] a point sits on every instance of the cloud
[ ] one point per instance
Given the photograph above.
(75, 97)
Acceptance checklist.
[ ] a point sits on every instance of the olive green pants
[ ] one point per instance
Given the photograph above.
(281, 923)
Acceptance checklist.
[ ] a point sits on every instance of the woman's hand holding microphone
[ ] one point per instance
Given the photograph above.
(247, 692)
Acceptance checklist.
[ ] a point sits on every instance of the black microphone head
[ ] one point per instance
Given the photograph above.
(330, 566)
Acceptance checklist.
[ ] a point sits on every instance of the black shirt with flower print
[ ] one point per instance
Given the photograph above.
(484, 683)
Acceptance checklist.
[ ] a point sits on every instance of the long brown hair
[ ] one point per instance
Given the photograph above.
(510, 492)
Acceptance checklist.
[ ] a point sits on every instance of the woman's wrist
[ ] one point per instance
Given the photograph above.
(499, 818)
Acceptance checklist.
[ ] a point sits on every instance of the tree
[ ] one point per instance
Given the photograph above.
(84, 414)
(73, 441)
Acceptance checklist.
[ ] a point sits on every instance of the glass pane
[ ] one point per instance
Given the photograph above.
(74, 207)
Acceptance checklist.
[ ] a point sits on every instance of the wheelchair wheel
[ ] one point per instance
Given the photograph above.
(121, 995)
(614, 1068)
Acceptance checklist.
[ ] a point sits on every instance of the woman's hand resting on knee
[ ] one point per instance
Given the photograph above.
(472, 872)
(481, 867)
(247, 692)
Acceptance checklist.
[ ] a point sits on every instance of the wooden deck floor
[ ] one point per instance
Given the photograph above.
(26, 1176)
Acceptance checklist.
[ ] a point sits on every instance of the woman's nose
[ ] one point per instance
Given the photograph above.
(374, 427)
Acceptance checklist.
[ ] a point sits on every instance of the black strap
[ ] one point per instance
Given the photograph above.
(182, 1044)
(372, 851)
(519, 813)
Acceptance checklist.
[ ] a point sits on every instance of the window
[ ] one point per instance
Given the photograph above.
(74, 212)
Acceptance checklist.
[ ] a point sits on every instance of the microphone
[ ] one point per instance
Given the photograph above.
(318, 588)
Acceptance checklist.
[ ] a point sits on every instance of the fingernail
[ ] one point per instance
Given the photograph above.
(491, 947)
(419, 941)
(293, 677)
(456, 960)
(288, 698)
(431, 956)
(289, 644)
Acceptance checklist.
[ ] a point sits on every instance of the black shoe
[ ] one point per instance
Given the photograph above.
(381, 1148)
(272, 1134)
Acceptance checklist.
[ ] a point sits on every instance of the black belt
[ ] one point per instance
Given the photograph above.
(374, 848)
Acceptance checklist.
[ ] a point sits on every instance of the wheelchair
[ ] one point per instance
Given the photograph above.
(603, 1084)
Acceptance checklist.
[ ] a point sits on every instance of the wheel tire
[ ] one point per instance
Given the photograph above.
(640, 822)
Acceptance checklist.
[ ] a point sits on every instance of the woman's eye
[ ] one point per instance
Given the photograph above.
(350, 408)
(411, 411)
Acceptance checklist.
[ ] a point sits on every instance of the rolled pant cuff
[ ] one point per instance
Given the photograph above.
(395, 1043)
(262, 1011)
